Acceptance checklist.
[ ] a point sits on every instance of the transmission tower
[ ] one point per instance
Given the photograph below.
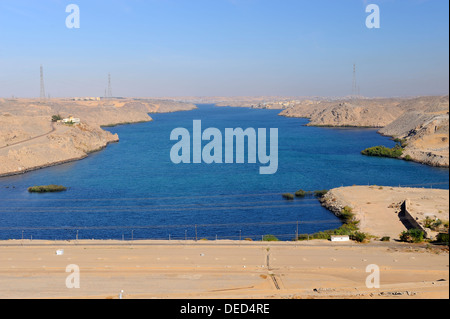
(354, 86)
(109, 87)
(42, 84)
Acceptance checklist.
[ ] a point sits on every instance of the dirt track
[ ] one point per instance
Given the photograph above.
(31, 139)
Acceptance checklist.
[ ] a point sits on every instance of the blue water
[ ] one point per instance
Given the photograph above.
(133, 190)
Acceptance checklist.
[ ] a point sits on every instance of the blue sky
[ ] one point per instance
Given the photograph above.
(224, 48)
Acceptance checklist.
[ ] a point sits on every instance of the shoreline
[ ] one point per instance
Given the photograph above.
(426, 162)
(436, 163)
(36, 168)
(95, 119)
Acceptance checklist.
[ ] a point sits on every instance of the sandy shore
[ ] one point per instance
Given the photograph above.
(221, 270)
(378, 207)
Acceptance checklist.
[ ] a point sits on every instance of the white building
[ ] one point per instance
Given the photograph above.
(71, 120)
(340, 238)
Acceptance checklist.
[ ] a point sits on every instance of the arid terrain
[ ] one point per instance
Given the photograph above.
(221, 270)
(378, 208)
(30, 140)
(423, 122)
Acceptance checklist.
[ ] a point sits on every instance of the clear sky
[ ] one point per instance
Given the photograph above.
(224, 48)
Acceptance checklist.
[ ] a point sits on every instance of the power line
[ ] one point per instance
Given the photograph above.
(161, 205)
(180, 197)
(144, 198)
(167, 226)
(109, 87)
(88, 210)
(42, 84)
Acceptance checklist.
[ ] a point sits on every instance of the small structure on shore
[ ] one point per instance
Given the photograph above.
(71, 120)
(340, 238)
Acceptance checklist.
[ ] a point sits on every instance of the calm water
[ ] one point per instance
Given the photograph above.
(133, 190)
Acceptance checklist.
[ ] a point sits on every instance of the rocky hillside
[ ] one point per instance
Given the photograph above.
(58, 143)
(424, 127)
(423, 122)
(357, 113)
(30, 140)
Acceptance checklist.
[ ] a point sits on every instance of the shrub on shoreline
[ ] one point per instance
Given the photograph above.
(320, 193)
(402, 141)
(408, 158)
(47, 189)
(412, 236)
(270, 238)
(442, 238)
(382, 151)
(349, 228)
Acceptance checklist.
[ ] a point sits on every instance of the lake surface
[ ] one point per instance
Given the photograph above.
(132, 190)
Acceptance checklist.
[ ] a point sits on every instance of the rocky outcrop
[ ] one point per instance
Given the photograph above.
(424, 133)
(347, 113)
(67, 143)
(422, 123)
(29, 140)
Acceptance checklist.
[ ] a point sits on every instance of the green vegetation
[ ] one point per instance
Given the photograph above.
(320, 193)
(402, 141)
(382, 151)
(347, 214)
(408, 158)
(47, 189)
(56, 118)
(359, 237)
(122, 123)
(349, 228)
(386, 238)
(442, 238)
(435, 224)
(288, 196)
(270, 238)
(301, 193)
(412, 236)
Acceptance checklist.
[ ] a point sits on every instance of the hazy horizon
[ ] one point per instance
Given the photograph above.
(226, 48)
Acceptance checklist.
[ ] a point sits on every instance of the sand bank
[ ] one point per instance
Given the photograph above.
(378, 207)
